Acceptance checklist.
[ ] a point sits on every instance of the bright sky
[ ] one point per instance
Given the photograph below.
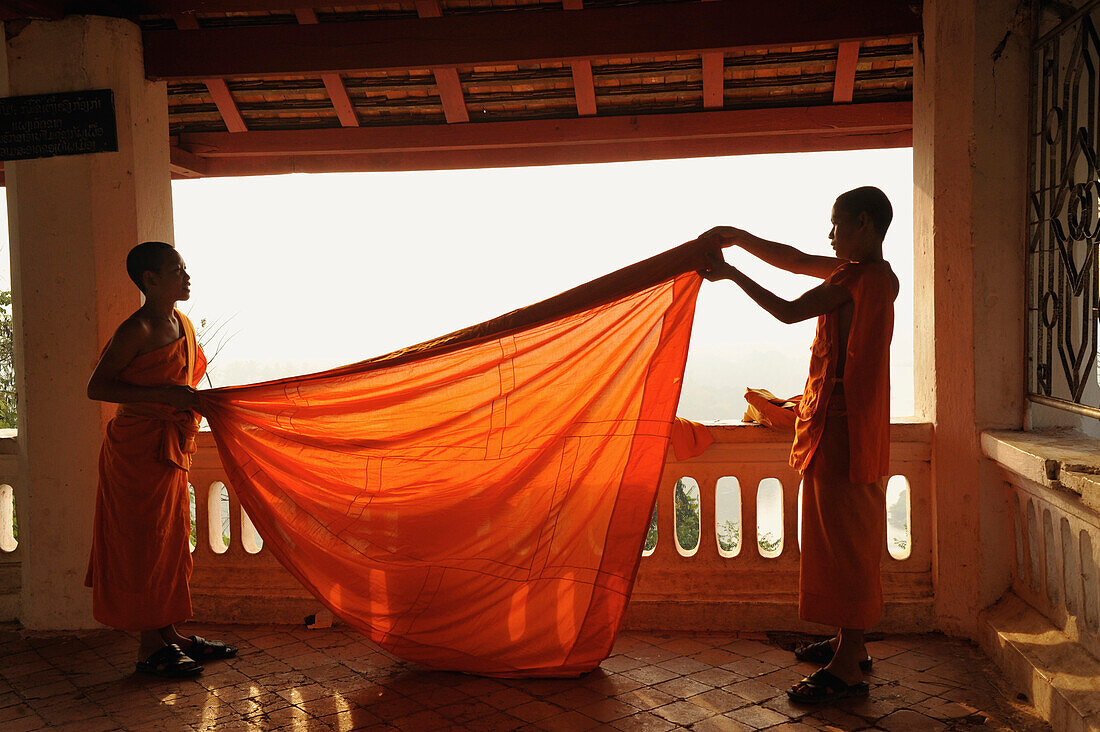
(321, 270)
(314, 271)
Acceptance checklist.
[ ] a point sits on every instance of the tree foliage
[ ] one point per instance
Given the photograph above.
(685, 502)
(7, 363)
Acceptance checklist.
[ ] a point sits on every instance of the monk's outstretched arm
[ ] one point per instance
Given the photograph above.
(782, 256)
(125, 346)
(820, 300)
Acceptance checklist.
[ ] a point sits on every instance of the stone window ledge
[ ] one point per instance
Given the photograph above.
(1062, 460)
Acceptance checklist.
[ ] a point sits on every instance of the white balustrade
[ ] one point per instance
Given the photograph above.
(1055, 507)
(737, 571)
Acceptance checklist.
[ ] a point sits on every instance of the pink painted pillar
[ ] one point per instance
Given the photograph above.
(71, 221)
(970, 187)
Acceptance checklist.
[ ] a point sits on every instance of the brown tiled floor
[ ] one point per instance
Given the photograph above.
(294, 678)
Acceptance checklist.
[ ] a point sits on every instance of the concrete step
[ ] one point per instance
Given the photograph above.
(1057, 676)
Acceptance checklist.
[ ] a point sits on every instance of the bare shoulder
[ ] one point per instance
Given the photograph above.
(133, 334)
(882, 274)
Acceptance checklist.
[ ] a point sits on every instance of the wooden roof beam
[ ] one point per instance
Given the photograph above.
(874, 119)
(714, 79)
(334, 83)
(504, 38)
(561, 154)
(584, 86)
(217, 88)
(447, 83)
(845, 84)
(185, 164)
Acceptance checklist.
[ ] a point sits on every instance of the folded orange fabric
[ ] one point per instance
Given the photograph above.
(690, 439)
(769, 410)
(478, 502)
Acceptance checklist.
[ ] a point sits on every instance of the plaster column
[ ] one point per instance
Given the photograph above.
(72, 220)
(970, 191)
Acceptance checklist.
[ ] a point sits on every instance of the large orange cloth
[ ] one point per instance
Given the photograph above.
(478, 502)
(141, 560)
(841, 445)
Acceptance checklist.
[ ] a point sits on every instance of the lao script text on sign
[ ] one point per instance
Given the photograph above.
(45, 125)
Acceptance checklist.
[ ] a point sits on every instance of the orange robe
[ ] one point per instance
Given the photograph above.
(141, 559)
(842, 448)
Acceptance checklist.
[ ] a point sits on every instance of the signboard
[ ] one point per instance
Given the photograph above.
(45, 125)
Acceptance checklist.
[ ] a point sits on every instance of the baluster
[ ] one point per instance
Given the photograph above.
(665, 551)
(750, 540)
(236, 526)
(708, 540)
(202, 519)
(792, 483)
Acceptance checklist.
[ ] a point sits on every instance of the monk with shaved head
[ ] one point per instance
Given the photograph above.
(842, 434)
(140, 561)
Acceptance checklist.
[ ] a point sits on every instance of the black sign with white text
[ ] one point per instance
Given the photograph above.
(46, 125)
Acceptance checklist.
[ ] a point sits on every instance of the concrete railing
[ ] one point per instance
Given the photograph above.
(740, 573)
(1053, 485)
(714, 588)
(754, 586)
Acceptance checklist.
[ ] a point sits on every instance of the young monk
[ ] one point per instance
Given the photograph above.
(841, 443)
(140, 562)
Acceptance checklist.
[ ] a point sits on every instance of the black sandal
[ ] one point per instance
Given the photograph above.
(821, 653)
(170, 662)
(204, 650)
(823, 687)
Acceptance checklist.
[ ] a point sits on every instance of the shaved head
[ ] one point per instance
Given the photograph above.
(148, 256)
(869, 200)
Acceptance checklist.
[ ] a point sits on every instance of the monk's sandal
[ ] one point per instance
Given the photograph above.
(170, 662)
(824, 687)
(822, 654)
(204, 650)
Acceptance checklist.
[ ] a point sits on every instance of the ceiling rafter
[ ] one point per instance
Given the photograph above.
(217, 88)
(507, 38)
(334, 83)
(847, 58)
(714, 79)
(584, 86)
(447, 82)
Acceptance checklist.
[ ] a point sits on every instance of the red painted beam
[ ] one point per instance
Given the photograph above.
(606, 152)
(449, 87)
(502, 38)
(868, 120)
(447, 83)
(341, 102)
(584, 88)
(227, 106)
(845, 84)
(184, 164)
(334, 84)
(714, 80)
(219, 91)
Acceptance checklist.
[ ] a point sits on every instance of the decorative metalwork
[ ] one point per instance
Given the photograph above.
(1064, 278)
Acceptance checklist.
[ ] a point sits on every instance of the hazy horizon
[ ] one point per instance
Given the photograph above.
(316, 271)
(309, 272)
